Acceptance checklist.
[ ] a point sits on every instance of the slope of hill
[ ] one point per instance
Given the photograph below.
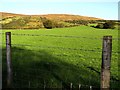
(7, 15)
(11, 20)
(53, 16)
(68, 17)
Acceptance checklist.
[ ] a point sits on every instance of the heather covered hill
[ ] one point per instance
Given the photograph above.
(7, 15)
(20, 21)
(53, 16)
(65, 17)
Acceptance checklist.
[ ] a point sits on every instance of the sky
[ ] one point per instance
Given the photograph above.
(105, 9)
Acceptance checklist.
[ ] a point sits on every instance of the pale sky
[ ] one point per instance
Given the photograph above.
(105, 9)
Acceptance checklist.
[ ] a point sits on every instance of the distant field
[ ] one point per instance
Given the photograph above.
(60, 56)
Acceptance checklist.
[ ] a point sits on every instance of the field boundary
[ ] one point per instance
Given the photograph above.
(106, 56)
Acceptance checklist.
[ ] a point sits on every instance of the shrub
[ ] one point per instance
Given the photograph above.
(78, 22)
(106, 25)
(47, 23)
(100, 25)
(109, 25)
(59, 24)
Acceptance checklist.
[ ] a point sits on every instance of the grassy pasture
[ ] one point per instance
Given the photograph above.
(56, 60)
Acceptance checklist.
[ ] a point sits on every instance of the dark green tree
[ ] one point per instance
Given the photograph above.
(106, 25)
(47, 23)
(99, 25)
(109, 25)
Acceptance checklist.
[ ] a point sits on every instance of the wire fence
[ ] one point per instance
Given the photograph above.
(47, 73)
(92, 38)
(98, 50)
(62, 36)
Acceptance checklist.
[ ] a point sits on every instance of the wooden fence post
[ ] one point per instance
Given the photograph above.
(9, 61)
(0, 58)
(71, 86)
(106, 60)
(79, 86)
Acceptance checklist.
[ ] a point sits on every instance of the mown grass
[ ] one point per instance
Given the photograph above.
(56, 60)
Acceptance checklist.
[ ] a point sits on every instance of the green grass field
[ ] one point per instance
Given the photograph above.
(60, 56)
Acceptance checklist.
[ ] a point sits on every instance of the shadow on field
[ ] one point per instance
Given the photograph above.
(38, 69)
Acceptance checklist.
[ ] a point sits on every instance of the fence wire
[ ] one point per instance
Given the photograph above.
(99, 50)
(62, 36)
(55, 36)
(86, 50)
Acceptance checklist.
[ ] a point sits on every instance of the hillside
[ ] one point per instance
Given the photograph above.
(16, 21)
(53, 16)
(6, 15)
(65, 17)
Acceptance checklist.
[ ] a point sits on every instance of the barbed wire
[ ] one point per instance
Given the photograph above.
(61, 36)
(81, 49)
(53, 35)
(96, 48)
(73, 55)
(115, 38)
(83, 57)
(91, 50)
(56, 47)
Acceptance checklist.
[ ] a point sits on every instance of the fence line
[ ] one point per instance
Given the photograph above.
(32, 45)
(91, 50)
(55, 36)
(88, 57)
(62, 36)
(71, 55)
(86, 50)
(105, 58)
(81, 49)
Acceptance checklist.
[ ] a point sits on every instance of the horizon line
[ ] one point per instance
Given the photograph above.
(56, 14)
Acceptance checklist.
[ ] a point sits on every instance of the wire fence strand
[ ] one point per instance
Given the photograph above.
(50, 47)
(86, 50)
(61, 36)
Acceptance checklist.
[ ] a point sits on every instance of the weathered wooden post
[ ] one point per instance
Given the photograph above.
(9, 61)
(0, 58)
(90, 87)
(71, 86)
(106, 60)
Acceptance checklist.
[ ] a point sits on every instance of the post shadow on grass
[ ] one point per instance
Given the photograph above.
(40, 69)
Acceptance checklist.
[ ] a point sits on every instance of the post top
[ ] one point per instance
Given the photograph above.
(107, 37)
(8, 32)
